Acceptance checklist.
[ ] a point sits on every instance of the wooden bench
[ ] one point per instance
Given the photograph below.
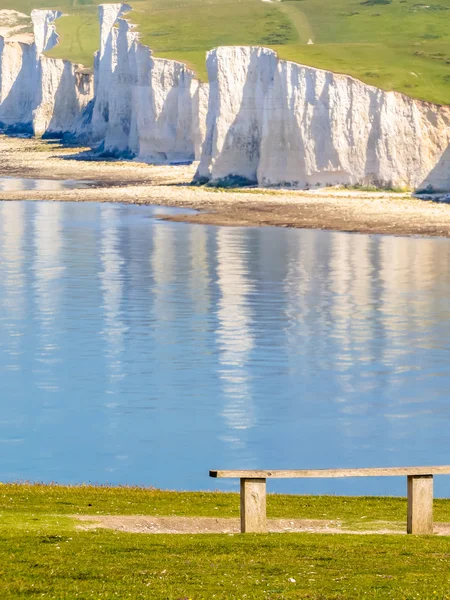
(420, 492)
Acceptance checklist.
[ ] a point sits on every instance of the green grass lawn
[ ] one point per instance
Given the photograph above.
(43, 554)
(401, 45)
(182, 31)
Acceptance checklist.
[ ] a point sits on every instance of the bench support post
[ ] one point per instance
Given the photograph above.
(253, 506)
(420, 504)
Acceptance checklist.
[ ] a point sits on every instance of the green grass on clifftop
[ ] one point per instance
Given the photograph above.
(401, 45)
(43, 553)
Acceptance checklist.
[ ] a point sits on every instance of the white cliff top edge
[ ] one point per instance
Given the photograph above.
(45, 36)
(223, 49)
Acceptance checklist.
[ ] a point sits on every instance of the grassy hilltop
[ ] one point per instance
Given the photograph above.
(399, 45)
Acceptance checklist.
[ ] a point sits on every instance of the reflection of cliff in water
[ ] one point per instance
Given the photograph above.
(12, 257)
(147, 351)
(234, 334)
(367, 313)
(48, 272)
(113, 289)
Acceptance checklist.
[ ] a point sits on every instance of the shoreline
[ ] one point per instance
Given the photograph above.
(334, 209)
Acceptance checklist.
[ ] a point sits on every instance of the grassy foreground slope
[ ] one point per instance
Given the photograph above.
(399, 45)
(44, 554)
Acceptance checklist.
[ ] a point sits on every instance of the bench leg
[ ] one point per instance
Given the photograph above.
(253, 506)
(420, 504)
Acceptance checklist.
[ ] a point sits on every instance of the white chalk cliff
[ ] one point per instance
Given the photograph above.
(147, 107)
(262, 119)
(275, 122)
(38, 94)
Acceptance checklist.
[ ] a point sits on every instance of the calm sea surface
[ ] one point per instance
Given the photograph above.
(135, 351)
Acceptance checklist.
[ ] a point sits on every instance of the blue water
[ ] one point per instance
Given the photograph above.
(137, 351)
(19, 184)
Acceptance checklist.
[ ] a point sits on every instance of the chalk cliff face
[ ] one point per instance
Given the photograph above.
(109, 75)
(147, 107)
(17, 75)
(264, 119)
(45, 36)
(38, 94)
(275, 122)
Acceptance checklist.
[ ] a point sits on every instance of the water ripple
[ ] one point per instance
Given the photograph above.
(138, 351)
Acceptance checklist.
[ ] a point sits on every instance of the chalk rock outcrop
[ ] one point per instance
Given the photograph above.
(41, 95)
(275, 122)
(261, 119)
(147, 107)
(45, 36)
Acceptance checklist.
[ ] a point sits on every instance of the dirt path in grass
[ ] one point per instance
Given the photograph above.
(299, 20)
(194, 525)
(141, 524)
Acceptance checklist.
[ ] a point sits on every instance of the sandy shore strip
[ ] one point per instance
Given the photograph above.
(138, 183)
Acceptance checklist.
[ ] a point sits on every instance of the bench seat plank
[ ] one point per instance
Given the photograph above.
(319, 473)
